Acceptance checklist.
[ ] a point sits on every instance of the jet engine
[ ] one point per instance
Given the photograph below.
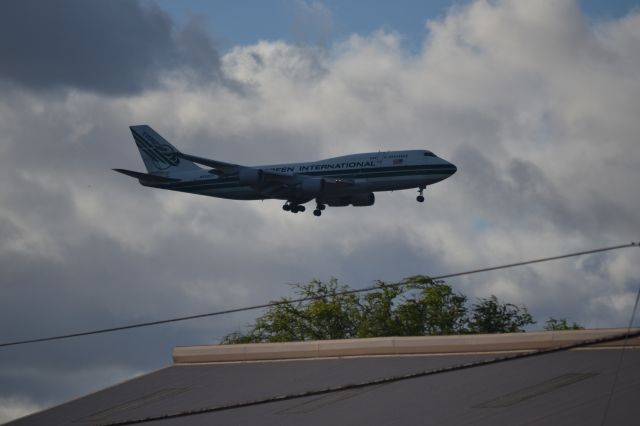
(357, 200)
(311, 187)
(250, 177)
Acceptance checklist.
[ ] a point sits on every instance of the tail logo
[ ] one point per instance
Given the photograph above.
(162, 155)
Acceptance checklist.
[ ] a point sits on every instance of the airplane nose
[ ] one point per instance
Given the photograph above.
(450, 167)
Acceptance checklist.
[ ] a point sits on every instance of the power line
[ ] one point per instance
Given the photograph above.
(304, 299)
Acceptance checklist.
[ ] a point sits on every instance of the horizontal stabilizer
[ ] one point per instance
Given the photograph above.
(147, 178)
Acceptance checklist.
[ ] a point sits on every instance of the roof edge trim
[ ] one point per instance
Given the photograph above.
(394, 346)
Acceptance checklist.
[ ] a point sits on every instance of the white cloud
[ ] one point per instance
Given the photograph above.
(535, 104)
(13, 408)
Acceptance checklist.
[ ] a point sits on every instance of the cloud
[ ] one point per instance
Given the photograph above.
(535, 104)
(12, 408)
(115, 47)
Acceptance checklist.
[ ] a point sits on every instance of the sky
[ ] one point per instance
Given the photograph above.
(536, 102)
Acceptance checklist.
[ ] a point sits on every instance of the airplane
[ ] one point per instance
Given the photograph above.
(334, 182)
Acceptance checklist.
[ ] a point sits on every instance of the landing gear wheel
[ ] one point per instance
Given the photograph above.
(317, 212)
(321, 207)
(293, 208)
(420, 198)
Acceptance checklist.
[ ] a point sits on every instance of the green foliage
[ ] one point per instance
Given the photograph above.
(330, 315)
(491, 316)
(415, 306)
(378, 313)
(553, 324)
(435, 310)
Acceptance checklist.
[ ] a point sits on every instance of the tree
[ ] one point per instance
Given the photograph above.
(378, 313)
(434, 310)
(329, 315)
(415, 306)
(491, 316)
(553, 324)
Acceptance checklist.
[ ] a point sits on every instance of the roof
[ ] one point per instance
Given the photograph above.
(480, 386)
(391, 346)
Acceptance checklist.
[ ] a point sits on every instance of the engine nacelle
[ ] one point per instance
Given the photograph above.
(311, 187)
(362, 200)
(357, 200)
(248, 176)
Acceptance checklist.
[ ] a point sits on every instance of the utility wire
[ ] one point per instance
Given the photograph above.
(304, 299)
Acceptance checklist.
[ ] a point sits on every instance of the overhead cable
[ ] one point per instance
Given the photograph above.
(304, 299)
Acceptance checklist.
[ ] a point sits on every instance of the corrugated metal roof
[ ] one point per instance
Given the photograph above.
(569, 387)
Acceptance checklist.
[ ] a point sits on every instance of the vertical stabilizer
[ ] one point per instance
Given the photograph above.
(159, 156)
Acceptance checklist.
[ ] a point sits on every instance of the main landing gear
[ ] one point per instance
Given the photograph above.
(293, 208)
(319, 208)
(296, 208)
(420, 197)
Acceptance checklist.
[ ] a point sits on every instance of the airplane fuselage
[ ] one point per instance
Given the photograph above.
(372, 171)
(334, 182)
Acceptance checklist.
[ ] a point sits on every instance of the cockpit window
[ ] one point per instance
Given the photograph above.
(429, 154)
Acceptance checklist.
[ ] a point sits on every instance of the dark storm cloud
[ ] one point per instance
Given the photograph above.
(524, 192)
(81, 289)
(111, 47)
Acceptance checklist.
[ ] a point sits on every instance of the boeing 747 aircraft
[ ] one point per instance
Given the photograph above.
(335, 182)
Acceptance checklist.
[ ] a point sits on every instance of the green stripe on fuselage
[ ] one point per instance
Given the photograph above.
(364, 171)
(367, 173)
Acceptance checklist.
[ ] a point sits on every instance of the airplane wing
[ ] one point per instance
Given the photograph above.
(223, 168)
(278, 185)
(339, 183)
(147, 178)
(219, 166)
(269, 183)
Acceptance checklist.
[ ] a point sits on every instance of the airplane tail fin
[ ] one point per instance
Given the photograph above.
(159, 156)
